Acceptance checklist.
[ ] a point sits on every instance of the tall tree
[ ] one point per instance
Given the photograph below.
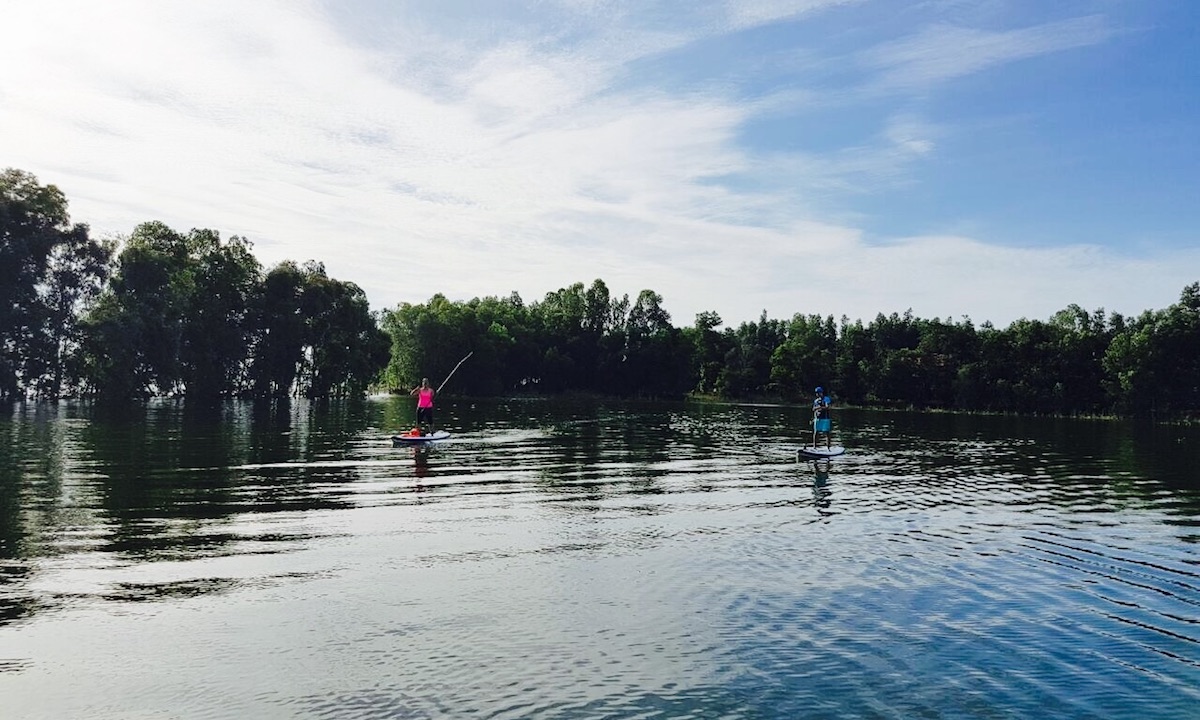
(49, 269)
(709, 351)
(174, 318)
(1155, 362)
(225, 281)
(747, 369)
(345, 348)
(313, 336)
(279, 332)
(656, 363)
(807, 357)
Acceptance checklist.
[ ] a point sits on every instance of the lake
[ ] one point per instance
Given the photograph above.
(559, 559)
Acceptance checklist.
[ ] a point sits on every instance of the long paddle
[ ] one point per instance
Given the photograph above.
(460, 362)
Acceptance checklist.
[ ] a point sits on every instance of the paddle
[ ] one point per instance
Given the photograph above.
(460, 362)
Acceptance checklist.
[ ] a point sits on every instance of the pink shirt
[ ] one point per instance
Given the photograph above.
(425, 397)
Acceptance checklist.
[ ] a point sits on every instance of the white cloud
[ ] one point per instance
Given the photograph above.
(832, 273)
(475, 165)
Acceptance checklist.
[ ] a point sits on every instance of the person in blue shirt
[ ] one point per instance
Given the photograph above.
(821, 420)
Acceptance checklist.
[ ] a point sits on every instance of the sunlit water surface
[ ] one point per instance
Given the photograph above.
(570, 560)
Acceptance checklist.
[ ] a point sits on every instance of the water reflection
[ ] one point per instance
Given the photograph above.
(161, 482)
(420, 463)
(822, 494)
(583, 559)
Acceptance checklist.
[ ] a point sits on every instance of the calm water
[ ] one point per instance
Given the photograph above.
(560, 560)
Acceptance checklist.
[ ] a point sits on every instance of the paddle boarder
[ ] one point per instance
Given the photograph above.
(424, 393)
(821, 420)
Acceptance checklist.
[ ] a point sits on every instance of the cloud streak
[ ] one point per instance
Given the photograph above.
(945, 52)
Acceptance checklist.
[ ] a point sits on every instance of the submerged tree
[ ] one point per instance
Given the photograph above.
(280, 332)
(345, 348)
(172, 320)
(192, 315)
(225, 283)
(49, 270)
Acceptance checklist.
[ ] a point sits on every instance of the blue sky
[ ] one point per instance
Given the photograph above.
(995, 159)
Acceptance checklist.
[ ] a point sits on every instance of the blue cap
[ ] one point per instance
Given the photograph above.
(817, 390)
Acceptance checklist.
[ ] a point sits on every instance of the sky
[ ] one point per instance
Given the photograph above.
(986, 159)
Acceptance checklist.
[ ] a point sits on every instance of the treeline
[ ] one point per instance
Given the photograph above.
(574, 340)
(164, 313)
(583, 339)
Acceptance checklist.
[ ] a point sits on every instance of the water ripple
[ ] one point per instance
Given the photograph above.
(602, 562)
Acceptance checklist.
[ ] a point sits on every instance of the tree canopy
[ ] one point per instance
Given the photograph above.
(161, 312)
(577, 340)
(49, 269)
(167, 313)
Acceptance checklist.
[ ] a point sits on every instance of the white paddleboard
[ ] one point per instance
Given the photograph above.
(817, 453)
(419, 439)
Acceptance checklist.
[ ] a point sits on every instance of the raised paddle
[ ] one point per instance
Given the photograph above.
(460, 362)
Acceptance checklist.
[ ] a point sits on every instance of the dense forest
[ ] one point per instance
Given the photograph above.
(579, 339)
(163, 313)
(188, 314)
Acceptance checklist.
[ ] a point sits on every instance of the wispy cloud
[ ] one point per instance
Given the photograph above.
(944, 52)
(744, 14)
(417, 151)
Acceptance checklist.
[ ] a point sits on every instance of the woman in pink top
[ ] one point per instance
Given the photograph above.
(424, 395)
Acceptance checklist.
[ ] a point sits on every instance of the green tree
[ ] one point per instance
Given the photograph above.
(1083, 342)
(153, 289)
(505, 351)
(853, 375)
(658, 359)
(225, 280)
(943, 350)
(709, 351)
(748, 361)
(49, 269)
(1154, 363)
(175, 318)
(345, 347)
(279, 332)
(807, 357)
(567, 362)
(894, 360)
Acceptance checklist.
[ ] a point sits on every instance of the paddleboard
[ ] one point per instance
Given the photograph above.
(817, 453)
(419, 439)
